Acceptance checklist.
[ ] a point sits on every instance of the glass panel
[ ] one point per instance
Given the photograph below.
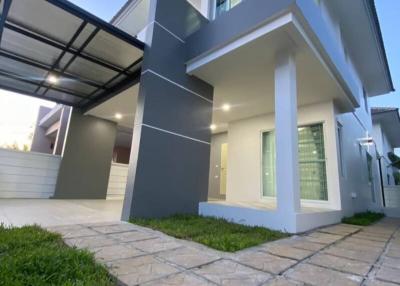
(113, 50)
(84, 68)
(225, 5)
(44, 18)
(312, 168)
(312, 163)
(268, 164)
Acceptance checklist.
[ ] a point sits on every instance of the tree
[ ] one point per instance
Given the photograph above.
(395, 163)
(394, 159)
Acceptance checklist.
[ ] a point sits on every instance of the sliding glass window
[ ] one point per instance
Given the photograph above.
(312, 167)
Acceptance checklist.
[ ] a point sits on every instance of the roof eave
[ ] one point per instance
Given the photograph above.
(373, 12)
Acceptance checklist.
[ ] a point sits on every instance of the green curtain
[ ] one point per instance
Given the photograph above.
(312, 167)
(268, 169)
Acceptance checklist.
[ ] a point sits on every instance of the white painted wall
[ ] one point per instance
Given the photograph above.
(245, 154)
(117, 181)
(392, 196)
(27, 174)
(355, 190)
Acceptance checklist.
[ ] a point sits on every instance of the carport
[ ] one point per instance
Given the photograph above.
(54, 50)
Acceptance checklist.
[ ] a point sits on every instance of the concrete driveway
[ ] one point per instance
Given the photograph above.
(46, 212)
(336, 255)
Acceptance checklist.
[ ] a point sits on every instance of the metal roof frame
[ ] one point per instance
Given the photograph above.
(120, 77)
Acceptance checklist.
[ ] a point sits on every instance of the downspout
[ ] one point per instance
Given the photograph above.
(381, 177)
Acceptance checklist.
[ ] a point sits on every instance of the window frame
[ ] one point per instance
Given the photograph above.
(305, 202)
(340, 149)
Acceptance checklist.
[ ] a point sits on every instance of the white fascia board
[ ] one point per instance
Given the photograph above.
(214, 54)
(51, 117)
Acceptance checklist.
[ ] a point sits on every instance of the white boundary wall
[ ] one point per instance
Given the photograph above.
(27, 174)
(117, 181)
(392, 196)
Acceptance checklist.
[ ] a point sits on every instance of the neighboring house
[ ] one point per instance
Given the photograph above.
(255, 111)
(50, 129)
(386, 134)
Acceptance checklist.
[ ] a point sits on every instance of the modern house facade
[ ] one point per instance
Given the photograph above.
(256, 111)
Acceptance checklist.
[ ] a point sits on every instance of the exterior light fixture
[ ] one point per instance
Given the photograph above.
(52, 79)
(213, 127)
(118, 116)
(226, 107)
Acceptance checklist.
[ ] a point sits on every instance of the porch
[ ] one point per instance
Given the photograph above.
(264, 213)
(274, 148)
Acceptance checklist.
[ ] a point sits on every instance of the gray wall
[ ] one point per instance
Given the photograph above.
(169, 161)
(85, 166)
(215, 163)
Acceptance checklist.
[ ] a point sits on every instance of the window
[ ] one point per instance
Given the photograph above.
(340, 147)
(312, 168)
(388, 179)
(223, 6)
(268, 164)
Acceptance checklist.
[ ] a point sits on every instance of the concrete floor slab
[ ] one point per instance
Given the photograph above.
(341, 264)
(140, 269)
(265, 262)
(179, 280)
(388, 274)
(226, 272)
(315, 275)
(187, 257)
(281, 281)
(45, 212)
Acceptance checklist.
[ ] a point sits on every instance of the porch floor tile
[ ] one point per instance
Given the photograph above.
(315, 275)
(226, 272)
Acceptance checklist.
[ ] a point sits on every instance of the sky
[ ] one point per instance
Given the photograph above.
(18, 113)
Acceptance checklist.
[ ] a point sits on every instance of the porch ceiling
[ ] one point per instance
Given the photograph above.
(244, 77)
(54, 50)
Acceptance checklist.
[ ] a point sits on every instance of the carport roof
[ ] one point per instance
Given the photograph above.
(54, 50)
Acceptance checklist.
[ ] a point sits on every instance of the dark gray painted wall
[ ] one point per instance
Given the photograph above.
(169, 163)
(85, 166)
(243, 18)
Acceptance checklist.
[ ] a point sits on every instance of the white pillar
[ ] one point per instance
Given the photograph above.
(287, 161)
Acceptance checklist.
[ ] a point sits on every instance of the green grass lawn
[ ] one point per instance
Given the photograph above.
(32, 256)
(215, 233)
(363, 219)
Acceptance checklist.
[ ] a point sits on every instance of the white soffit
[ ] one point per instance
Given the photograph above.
(123, 104)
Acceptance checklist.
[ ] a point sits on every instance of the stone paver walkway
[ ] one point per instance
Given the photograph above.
(336, 255)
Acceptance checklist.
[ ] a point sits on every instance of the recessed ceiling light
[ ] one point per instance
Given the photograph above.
(52, 79)
(118, 116)
(213, 126)
(226, 107)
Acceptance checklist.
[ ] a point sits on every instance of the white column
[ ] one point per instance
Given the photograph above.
(287, 161)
